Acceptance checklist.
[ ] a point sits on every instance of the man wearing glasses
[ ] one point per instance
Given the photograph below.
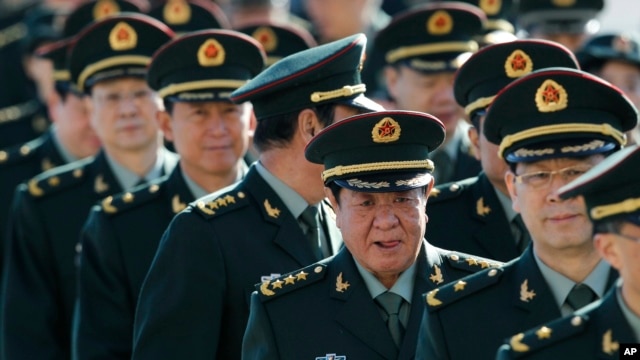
(598, 331)
(552, 126)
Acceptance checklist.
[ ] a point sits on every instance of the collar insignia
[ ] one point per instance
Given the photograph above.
(99, 185)
(609, 346)
(436, 277)
(177, 205)
(481, 209)
(341, 286)
(271, 211)
(525, 293)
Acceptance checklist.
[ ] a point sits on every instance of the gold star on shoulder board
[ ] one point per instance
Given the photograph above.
(437, 276)
(277, 284)
(301, 275)
(472, 261)
(543, 333)
(459, 286)
(289, 280)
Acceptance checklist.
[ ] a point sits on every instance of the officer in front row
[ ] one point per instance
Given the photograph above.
(551, 126)
(194, 75)
(598, 331)
(365, 302)
(108, 63)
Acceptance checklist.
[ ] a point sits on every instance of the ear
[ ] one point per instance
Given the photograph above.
(253, 121)
(164, 123)
(391, 76)
(509, 179)
(608, 247)
(474, 137)
(308, 125)
(53, 106)
(334, 204)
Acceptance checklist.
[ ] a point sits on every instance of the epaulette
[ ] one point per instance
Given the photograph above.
(471, 263)
(57, 179)
(449, 190)
(12, 33)
(271, 289)
(449, 293)
(546, 335)
(129, 200)
(20, 153)
(220, 203)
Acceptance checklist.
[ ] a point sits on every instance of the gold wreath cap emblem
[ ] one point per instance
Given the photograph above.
(386, 130)
(176, 12)
(104, 8)
(123, 37)
(518, 64)
(211, 53)
(267, 37)
(551, 97)
(440, 23)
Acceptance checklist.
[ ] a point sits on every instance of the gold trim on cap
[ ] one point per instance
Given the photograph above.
(61, 75)
(425, 49)
(199, 85)
(626, 206)
(347, 90)
(109, 62)
(377, 166)
(500, 24)
(478, 104)
(604, 129)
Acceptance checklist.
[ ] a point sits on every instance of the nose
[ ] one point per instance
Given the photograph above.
(385, 217)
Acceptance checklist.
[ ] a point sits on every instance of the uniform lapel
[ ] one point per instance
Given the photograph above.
(357, 313)
(530, 291)
(495, 234)
(288, 235)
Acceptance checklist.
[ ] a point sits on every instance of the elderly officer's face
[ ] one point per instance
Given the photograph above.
(554, 224)
(383, 231)
(73, 127)
(211, 137)
(123, 113)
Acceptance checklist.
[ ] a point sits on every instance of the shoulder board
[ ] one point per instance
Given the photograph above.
(220, 203)
(545, 335)
(57, 179)
(271, 289)
(450, 190)
(458, 289)
(20, 153)
(471, 263)
(129, 200)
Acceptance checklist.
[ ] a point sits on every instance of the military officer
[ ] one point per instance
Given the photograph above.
(552, 126)
(71, 137)
(422, 49)
(599, 330)
(499, 26)
(108, 63)
(615, 57)
(224, 243)
(569, 23)
(378, 179)
(485, 224)
(211, 135)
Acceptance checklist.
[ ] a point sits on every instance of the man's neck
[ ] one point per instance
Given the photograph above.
(575, 264)
(291, 167)
(139, 162)
(211, 182)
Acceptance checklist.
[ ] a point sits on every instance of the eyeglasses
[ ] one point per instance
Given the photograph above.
(112, 99)
(628, 237)
(540, 179)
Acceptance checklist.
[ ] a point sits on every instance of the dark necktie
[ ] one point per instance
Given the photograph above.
(521, 234)
(309, 217)
(580, 296)
(391, 304)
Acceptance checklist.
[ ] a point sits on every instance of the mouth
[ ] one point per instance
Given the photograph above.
(563, 217)
(389, 244)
